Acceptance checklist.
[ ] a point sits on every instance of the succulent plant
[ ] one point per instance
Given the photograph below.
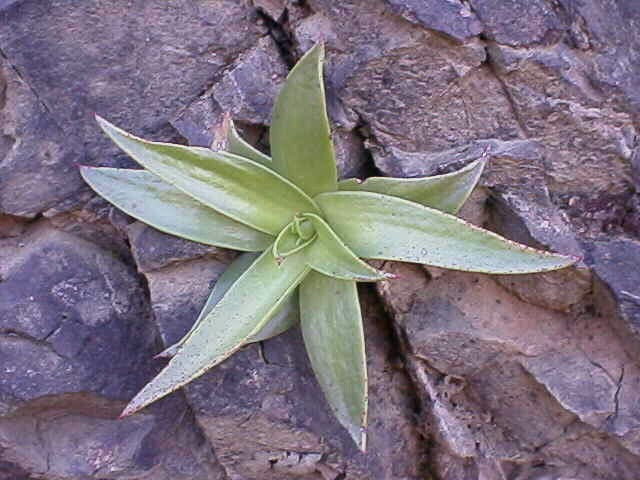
(312, 231)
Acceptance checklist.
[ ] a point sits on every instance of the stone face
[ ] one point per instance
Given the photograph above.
(248, 90)
(76, 341)
(505, 378)
(522, 22)
(452, 18)
(153, 249)
(38, 166)
(614, 264)
(133, 63)
(73, 319)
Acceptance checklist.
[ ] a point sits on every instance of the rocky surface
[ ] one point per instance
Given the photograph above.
(471, 377)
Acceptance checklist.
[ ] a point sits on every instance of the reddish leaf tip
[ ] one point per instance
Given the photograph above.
(124, 414)
(391, 276)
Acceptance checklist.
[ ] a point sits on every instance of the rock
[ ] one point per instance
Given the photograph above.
(11, 226)
(38, 166)
(272, 8)
(245, 92)
(503, 378)
(153, 249)
(131, 63)
(580, 128)
(72, 329)
(351, 156)
(263, 413)
(522, 22)
(76, 342)
(248, 90)
(78, 438)
(98, 222)
(613, 262)
(453, 18)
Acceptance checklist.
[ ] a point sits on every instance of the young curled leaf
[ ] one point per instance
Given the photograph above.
(446, 192)
(334, 339)
(237, 187)
(241, 313)
(330, 256)
(146, 197)
(389, 228)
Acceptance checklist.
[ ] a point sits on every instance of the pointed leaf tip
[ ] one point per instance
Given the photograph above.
(389, 228)
(241, 313)
(300, 135)
(333, 334)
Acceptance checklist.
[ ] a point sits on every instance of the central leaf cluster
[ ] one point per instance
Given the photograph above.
(297, 235)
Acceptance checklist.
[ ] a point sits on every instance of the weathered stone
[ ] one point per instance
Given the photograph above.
(273, 8)
(73, 319)
(614, 263)
(133, 63)
(522, 22)
(504, 378)
(153, 249)
(76, 341)
(197, 122)
(452, 18)
(351, 156)
(248, 90)
(79, 437)
(37, 161)
(262, 410)
(98, 222)
(581, 129)
(11, 226)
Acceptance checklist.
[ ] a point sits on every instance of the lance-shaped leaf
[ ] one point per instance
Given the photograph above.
(300, 137)
(284, 318)
(234, 186)
(239, 315)
(146, 197)
(443, 192)
(383, 227)
(329, 255)
(238, 146)
(334, 339)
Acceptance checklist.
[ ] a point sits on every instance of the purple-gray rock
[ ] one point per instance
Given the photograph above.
(76, 341)
(522, 22)
(453, 18)
(38, 164)
(134, 63)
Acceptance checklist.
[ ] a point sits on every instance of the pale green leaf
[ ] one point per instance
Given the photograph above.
(146, 197)
(238, 146)
(234, 186)
(443, 192)
(239, 315)
(284, 318)
(334, 339)
(300, 137)
(329, 255)
(383, 227)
